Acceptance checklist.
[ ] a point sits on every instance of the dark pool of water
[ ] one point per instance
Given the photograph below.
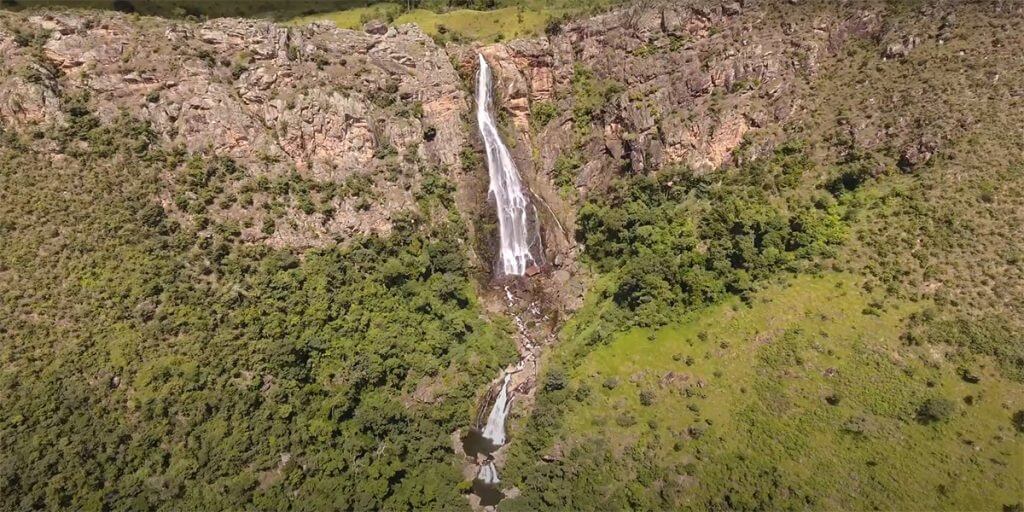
(489, 493)
(474, 444)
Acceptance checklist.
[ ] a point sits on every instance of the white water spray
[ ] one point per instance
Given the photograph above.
(488, 473)
(494, 431)
(507, 189)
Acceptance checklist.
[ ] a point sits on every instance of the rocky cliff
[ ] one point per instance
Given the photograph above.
(333, 106)
(362, 117)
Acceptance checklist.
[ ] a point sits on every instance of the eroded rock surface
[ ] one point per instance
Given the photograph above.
(326, 103)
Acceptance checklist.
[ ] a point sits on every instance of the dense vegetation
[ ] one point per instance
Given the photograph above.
(653, 400)
(825, 328)
(151, 364)
(680, 240)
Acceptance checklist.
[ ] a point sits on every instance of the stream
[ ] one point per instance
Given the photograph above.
(520, 255)
(488, 436)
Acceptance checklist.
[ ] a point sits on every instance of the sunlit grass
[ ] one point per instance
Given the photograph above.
(758, 378)
(516, 19)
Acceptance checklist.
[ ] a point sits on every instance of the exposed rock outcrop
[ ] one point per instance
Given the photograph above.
(654, 85)
(323, 102)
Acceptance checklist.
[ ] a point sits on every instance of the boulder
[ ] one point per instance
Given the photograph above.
(375, 27)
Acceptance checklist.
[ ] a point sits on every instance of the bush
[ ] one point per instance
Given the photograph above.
(555, 380)
(541, 113)
(566, 171)
(590, 95)
(553, 27)
(625, 420)
(934, 410)
(646, 397)
(1018, 420)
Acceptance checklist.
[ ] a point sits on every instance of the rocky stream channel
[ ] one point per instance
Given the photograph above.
(520, 256)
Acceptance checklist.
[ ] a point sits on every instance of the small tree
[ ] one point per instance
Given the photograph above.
(935, 410)
(555, 380)
(1018, 420)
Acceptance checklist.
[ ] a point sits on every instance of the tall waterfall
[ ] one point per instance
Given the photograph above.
(494, 431)
(512, 204)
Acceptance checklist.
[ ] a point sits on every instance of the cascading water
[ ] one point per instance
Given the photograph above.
(492, 437)
(520, 249)
(512, 204)
(494, 431)
(488, 474)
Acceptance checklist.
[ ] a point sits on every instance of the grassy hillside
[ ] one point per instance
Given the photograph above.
(837, 326)
(508, 20)
(479, 21)
(803, 397)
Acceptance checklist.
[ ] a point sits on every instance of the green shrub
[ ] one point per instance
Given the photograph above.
(646, 397)
(934, 410)
(541, 113)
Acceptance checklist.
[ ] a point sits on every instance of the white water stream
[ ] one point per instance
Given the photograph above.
(494, 430)
(506, 187)
(488, 474)
(520, 249)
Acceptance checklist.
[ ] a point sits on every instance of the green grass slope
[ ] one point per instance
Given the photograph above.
(835, 325)
(508, 19)
(803, 398)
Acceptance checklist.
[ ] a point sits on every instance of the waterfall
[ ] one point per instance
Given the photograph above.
(505, 187)
(494, 431)
(488, 473)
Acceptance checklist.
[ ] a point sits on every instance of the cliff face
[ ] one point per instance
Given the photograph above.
(327, 104)
(369, 115)
(659, 85)
(634, 89)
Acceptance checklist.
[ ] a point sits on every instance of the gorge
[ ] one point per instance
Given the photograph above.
(656, 255)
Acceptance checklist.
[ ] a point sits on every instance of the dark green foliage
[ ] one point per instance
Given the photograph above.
(566, 170)
(436, 188)
(756, 484)
(676, 241)
(541, 113)
(995, 336)
(1018, 420)
(590, 94)
(553, 27)
(935, 410)
(148, 365)
(555, 380)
